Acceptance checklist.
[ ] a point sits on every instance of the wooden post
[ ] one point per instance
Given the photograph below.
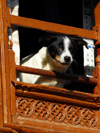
(5, 64)
(96, 72)
(1, 46)
(12, 77)
(5, 116)
(97, 24)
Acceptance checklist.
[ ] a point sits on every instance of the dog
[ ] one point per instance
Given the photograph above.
(57, 54)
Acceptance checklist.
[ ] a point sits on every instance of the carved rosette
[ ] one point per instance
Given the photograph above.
(73, 115)
(24, 107)
(41, 110)
(57, 112)
(88, 117)
(61, 113)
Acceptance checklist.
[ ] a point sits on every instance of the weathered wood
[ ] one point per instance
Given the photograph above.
(50, 128)
(97, 24)
(77, 78)
(56, 91)
(52, 27)
(56, 98)
(12, 77)
(7, 130)
(5, 63)
(96, 72)
(1, 65)
(42, 92)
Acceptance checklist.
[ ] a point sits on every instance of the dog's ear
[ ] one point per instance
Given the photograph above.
(45, 41)
(80, 42)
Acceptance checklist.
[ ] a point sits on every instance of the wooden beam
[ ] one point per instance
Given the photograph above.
(56, 98)
(39, 127)
(55, 90)
(51, 27)
(77, 78)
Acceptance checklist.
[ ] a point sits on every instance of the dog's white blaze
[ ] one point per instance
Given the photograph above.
(66, 51)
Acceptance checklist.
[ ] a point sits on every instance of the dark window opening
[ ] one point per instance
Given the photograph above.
(57, 11)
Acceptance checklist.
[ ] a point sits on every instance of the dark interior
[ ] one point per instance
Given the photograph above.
(57, 11)
(48, 10)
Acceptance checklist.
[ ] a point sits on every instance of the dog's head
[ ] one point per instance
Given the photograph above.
(63, 48)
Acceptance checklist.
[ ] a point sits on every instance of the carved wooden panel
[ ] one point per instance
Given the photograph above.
(55, 112)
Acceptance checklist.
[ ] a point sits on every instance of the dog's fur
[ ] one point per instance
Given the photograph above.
(56, 55)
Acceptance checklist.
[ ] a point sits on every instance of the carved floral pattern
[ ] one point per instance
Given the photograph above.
(24, 107)
(88, 117)
(42, 110)
(73, 115)
(57, 112)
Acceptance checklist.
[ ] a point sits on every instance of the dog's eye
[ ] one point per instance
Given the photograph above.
(61, 46)
(59, 50)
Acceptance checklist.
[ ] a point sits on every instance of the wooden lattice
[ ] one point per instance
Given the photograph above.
(55, 112)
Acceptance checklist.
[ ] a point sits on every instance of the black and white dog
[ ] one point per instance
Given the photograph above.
(57, 54)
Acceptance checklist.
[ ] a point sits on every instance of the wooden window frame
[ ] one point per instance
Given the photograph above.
(8, 81)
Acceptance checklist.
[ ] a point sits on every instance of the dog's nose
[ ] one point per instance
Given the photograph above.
(67, 59)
